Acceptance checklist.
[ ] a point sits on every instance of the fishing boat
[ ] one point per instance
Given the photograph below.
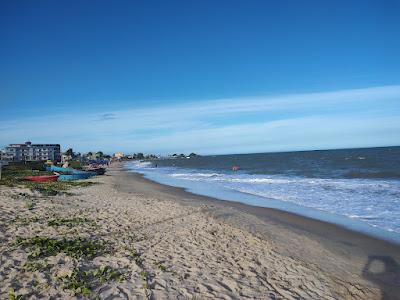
(68, 177)
(44, 178)
(53, 168)
(70, 173)
(97, 170)
(84, 173)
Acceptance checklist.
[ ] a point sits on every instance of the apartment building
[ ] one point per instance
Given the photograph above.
(33, 152)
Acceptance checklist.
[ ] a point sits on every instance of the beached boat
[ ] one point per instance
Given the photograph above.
(70, 173)
(97, 170)
(45, 178)
(53, 168)
(68, 177)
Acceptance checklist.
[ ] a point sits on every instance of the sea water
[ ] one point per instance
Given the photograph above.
(355, 188)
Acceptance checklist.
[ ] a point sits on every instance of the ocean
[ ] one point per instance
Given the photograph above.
(355, 188)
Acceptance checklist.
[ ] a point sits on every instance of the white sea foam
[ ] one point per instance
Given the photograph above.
(141, 164)
(372, 201)
(194, 176)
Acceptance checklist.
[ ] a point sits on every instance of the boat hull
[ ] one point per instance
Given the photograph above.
(98, 171)
(68, 177)
(50, 178)
(59, 169)
(70, 174)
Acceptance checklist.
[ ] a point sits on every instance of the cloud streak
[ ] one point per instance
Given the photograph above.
(347, 118)
(105, 117)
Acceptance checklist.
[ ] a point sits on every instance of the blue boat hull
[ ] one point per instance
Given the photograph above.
(67, 177)
(70, 174)
(58, 169)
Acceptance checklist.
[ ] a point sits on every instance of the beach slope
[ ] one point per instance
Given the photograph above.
(147, 241)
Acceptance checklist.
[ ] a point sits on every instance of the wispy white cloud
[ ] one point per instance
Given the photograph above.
(347, 118)
(107, 116)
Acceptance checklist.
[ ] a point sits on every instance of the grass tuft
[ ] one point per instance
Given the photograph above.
(136, 256)
(161, 266)
(25, 221)
(36, 265)
(30, 205)
(144, 276)
(55, 188)
(82, 282)
(13, 296)
(71, 222)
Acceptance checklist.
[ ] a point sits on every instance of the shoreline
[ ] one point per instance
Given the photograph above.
(291, 219)
(352, 246)
(343, 220)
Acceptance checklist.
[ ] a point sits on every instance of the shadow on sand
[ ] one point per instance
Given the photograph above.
(385, 272)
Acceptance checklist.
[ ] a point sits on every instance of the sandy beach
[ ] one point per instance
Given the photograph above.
(143, 240)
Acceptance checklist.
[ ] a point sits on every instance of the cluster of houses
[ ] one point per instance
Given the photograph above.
(141, 156)
(45, 152)
(88, 157)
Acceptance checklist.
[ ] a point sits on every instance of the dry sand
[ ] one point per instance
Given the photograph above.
(168, 244)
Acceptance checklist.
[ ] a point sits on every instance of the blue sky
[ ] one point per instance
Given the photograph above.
(204, 76)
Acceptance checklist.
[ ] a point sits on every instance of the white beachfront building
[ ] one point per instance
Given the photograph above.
(33, 152)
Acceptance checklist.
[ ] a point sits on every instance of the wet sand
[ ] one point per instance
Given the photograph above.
(170, 244)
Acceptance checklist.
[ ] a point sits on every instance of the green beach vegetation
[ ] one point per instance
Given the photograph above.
(13, 173)
(82, 282)
(82, 277)
(43, 246)
(69, 222)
